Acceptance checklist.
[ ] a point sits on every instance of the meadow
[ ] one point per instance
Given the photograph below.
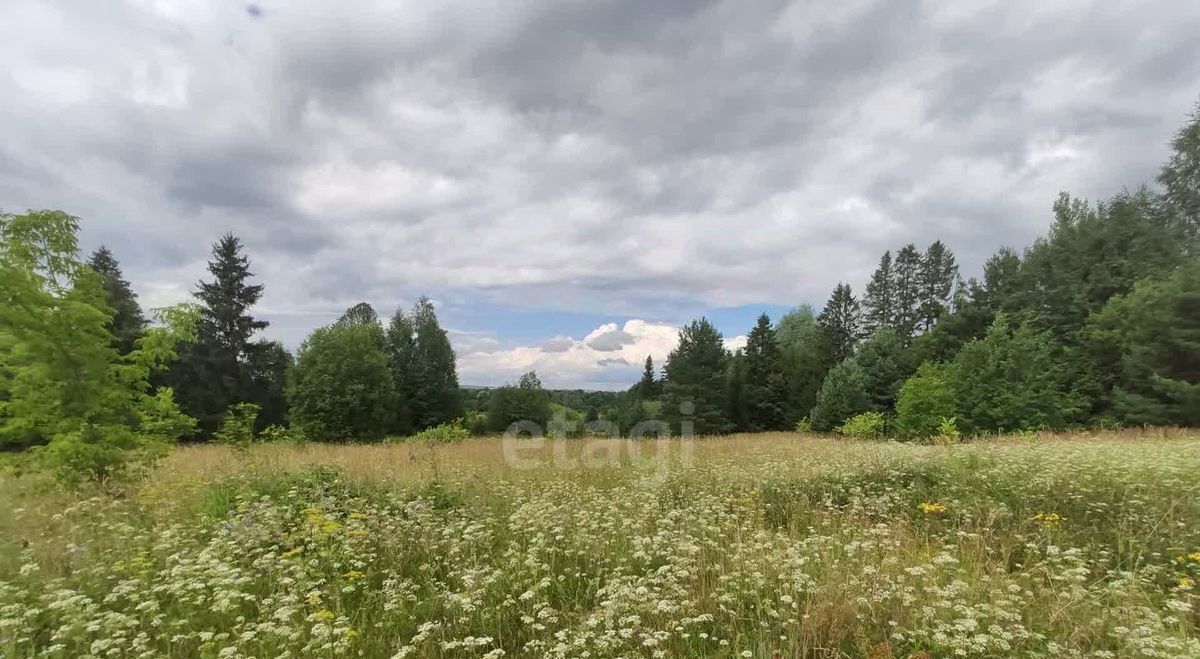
(767, 545)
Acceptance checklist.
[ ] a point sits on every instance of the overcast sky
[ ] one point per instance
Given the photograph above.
(571, 180)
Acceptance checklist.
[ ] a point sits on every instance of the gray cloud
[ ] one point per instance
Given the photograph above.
(558, 344)
(616, 361)
(610, 341)
(619, 157)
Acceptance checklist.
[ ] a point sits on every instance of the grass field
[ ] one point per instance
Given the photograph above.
(775, 545)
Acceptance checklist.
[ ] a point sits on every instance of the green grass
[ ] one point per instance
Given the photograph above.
(760, 546)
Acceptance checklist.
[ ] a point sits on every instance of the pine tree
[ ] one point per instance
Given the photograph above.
(765, 387)
(841, 323)
(128, 323)
(213, 373)
(936, 279)
(907, 295)
(880, 300)
(695, 381)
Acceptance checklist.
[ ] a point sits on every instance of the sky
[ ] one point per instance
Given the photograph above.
(572, 180)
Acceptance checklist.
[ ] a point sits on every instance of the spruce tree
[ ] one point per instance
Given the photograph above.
(647, 387)
(936, 278)
(907, 295)
(765, 388)
(695, 381)
(213, 373)
(880, 301)
(735, 388)
(841, 323)
(128, 323)
(843, 394)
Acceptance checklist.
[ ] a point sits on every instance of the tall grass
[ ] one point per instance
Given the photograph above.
(774, 545)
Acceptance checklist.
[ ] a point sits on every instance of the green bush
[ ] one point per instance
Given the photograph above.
(444, 433)
(843, 394)
(237, 426)
(803, 425)
(947, 432)
(276, 433)
(925, 400)
(868, 425)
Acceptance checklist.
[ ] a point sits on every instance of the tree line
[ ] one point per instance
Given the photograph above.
(1096, 323)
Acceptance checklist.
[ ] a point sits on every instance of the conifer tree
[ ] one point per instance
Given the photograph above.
(435, 396)
(647, 388)
(880, 301)
(765, 388)
(127, 321)
(841, 323)
(213, 373)
(1180, 177)
(936, 278)
(401, 355)
(695, 380)
(907, 295)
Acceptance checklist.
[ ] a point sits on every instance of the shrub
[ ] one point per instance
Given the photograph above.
(276, 433)
(803, 425)
(843, 394)
(925, 401)
(237, 426)
(947, 432)
(868, 425)
(444, 433)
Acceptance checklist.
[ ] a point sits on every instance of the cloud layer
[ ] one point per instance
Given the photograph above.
(630, 159)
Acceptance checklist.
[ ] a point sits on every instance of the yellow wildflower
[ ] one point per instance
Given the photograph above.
(353, 575)
(1185, 583)
(1194, 557)
(324, 615)
(933, 508)
(291, 552)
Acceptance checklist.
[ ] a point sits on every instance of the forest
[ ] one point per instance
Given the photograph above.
(1096, 324)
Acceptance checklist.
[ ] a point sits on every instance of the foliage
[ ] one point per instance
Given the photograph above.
(341, 387)
(66, 388)
(805, 359)
(803, 425)
(526, 402)
(275, 434)
(884, 367)
(1146, 346)
(127, 321)
(841, 323)
(947, 431)
(926, 399)
(237, 426)
(843, 394)
(443, 433)
(422, 364)
(214, 373)
(765, 388)
(695, 374)
(1012, 379)
(867, 425)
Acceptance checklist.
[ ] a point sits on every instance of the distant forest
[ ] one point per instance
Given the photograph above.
(1097, 323)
